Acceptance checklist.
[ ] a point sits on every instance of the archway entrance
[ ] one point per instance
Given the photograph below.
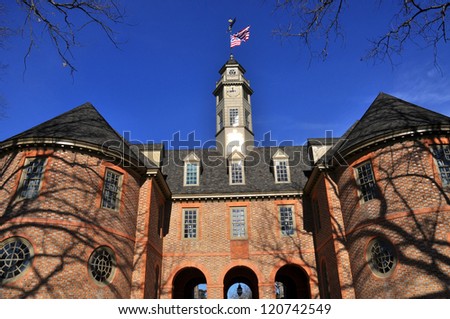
(244, 278)
(292, 282)
(189, 283)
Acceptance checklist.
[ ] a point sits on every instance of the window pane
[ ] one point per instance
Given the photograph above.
(102, 264)
(236, 173)
(442, 156)
(281, 171)
(190, 223)
(191, 174)
(15, 257)
(366, 181)
(32, 177)
(286, 220)
(234, 117)
(111, 190)
(238, 225)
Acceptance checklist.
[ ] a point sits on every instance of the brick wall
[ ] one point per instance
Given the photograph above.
(65, 224)
(214, 253)
(411, 211)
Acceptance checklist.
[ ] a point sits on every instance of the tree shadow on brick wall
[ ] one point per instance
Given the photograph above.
(293, 248)
(64, 226)
(410, 211)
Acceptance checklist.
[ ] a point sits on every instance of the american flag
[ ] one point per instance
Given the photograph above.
(239, 37)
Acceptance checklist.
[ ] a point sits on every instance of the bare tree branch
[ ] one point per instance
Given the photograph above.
(316, 22)
(313, 22)
(61, 20)
(423, 23)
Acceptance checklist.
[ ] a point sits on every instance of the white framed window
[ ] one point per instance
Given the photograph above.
(281, 167)
(282, 171)
(366, 181)
(31, 179)
(190, 223)
(238, 217)
(237, 172)
(191, 170)
(112, 186)
(234, 117)
(287, 225)
(191, 174)
(441, 154)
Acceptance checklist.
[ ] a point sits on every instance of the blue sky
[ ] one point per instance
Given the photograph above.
(161, 79)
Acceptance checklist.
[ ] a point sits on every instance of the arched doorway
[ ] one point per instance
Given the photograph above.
(189, 283)
(292, 282)
(243, 277)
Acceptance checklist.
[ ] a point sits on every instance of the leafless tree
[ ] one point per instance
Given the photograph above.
(62, 20)
(318, 22)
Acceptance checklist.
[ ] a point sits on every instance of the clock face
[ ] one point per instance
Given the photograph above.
(232, 91)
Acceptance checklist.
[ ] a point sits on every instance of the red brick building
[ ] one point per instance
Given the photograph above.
(86, 214)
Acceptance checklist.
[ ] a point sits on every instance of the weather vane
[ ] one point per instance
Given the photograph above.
(230, 26)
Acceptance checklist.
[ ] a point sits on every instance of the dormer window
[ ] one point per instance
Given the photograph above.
(281, 167)
(191, 170)
(236, 168)
(237, 173)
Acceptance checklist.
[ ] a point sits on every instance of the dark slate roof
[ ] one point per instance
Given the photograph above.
(149, 146)
(214, 176)
(84, 124)
(321, 141)
(388, 115)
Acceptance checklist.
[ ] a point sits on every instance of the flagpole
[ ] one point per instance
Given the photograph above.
(230, 32)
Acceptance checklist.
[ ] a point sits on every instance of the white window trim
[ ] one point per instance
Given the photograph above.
(276, 163)
(245, 223)
(184, 223)
(293, 220)
(193, 159)
(281, 156)
(197, 173)
(236, 120)
(241, 162)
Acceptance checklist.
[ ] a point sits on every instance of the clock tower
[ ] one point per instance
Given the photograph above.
(234, 127)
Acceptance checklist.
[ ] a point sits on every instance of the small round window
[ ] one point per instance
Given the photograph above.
(16, 254)
(102, 265)
(381, 257)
